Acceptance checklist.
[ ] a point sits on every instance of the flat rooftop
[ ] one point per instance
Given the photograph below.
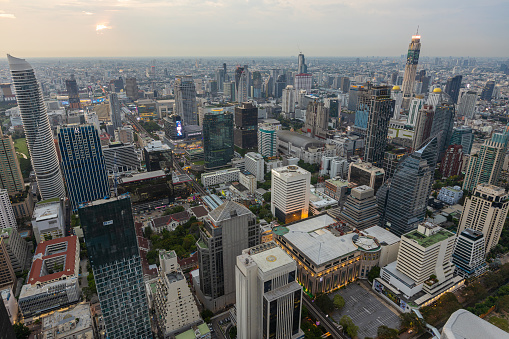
(143, 176)
(46, 211)
(271, 259)
(382, 235)
(427, 241)
(290, 171)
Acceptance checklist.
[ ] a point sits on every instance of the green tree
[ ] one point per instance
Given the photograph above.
(174, 210)
(374, 273)
(503, 304)
(267, 196)
(339, 301)
(385, 332)
(148, 232)
(348, 326)
(323, 302)
(233, 332)
(21, 331)
(410, 321)
(206, 315)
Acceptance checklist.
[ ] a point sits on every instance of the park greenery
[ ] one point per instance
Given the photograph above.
(410, 321)
(173, 210)
(21, 331)
(323, 302)
(262, 211)
(348, 326)
(374, 273)
(385, 332)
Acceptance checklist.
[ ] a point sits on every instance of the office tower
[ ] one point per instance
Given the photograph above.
(392, 159)
(468, 255)
(402, 202)
(229, 90)
(279, 86)
(11, 178)
(360, 209)
(486, 165)
(485, 211)
(353, 97)
(245, 134)
(365, 174)
(112, 248)
(241, 83)
(227, 230)
(255, 165)
(443, 123)
(397, 96)
(257, 85)
(7, 218)
(269, 300)
(288, 102)
(131, 88)
(267, 138)
(452, 162)
(73, 93)
(121, 159)
(83, 164)
(124, 135)
(158, 156)
(415, 106)
(333, 105)
(381, 108)
(17, 248)
(345, 84)
(37, 129)
(452, 88)
(185, 100)
(463, 136)
(302, 68)
(217, 139)
(7, 275)
(317, 120)
(423, 124)
(220, 78)
(174, 303)
(290, 193)
(303, 82)
(410, 70)
(173, 128)
(5, 324)
(116, 118)
(487, 91)
(48, 220)
(467, 103)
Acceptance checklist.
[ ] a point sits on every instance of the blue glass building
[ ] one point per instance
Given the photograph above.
(83, 164)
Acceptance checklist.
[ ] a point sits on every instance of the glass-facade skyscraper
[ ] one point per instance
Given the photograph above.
(443, 123)
(217, 139)
(83, 164)
(452, 88)
(185, 100)
(108, 227)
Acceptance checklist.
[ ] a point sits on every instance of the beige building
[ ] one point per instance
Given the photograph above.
(74, 322)
(486, 211)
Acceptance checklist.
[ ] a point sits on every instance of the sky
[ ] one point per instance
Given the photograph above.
(173, 28)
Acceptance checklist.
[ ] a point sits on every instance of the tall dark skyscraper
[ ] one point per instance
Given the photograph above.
(116, 118)
(131, 88)
(246, 126)
(83, 164)
(73, 93)
(185, 100)
(443, 123)
(112, 247)
(5, 323)
(452, 88)
(487, 91)
(303, 68)
(377, 100)
(218, 141)
(412, 60)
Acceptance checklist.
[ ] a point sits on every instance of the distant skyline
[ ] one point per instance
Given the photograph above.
(251, 28)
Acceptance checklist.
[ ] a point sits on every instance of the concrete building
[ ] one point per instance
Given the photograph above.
(266, 289)
(248, 180)
(365, 173)
(334, 167)
(245, 126)
(337, 188)
(267, 138)
(255, 165)
(305, 148)
(486, 211)
(48, 220)
(11, 305)
(131, 88)
(392, 159)
(452, 161)
(467, 103)
(7, 275)
(174, 303)
(450, 195)
(115, 111)
(73, 322)
(185, 100)
(7, 217)
(17, 248)
(227, 231)
(317, 120)
(121, 158)
(415, 106)
(288, 102)
(389, 244)
(410, 70)
(290, 193)
(220, 177)
(463, 324)
(423, 124)
(11, 178)
(124, 135)
(360, 209)
(319, 202)
(469, 254)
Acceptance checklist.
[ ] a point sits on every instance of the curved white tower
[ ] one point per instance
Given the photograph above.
(37, 129)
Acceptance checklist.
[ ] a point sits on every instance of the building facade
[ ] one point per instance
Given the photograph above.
(245, 132)
(290, 193)
(360, 209)
(218, 140)
(364, 173)
(317, 120)
(267, 139)
(48, 220)
(469, 254)
(115, 112)
(7, 217)
(17, 248)
(412, 60)
(11, 178)
(185, 100)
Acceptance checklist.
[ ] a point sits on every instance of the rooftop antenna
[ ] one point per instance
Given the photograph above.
(417, 30)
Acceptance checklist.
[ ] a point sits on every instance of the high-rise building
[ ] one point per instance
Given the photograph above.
(267, 138)
(365, 174)
(423, 124)
(245, 132)
(185, 100)
(487, 91)
(269, 299)
(218, 144)
(83, 164)
(467, 103)
(360, 209)
(353, 97)
(381, 108)
(73, 93)
(131, 88)
(48, 220)
(402, 201)
(415, 106)
(410, 70)
(220, 78)
(257, 85)
(288, 102)
(485, 211)
(302, 68)
(7, 217)
(469, 254)
(463, 136)
(392, 159)
(486, 165)
(397, 96)
(290, 193)
(303, 82)
(443, 123)
(5, 324)
(255, 165)
(7, 275)
(116, 118)
(241, 84)
(158, 156)
(227, 230)
(229, 90)
(452, 88)
(17, 248)
(37, 129)
(452, 161)
(317, 120)
(11, 178)
(112, 247)
(345, 84)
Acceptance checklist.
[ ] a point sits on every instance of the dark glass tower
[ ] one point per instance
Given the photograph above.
(452, 88)
(487, 91)
(6, 330)
(110, 236)
(217, 139)
(443, 123)
(73, 93)
(116, 119)
(246, 126)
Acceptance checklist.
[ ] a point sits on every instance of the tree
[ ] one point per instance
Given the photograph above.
(174, 210)
(206, 315)
(323, 302)
(148, 232)
(503, 304)
(410, 321)
(339, 301)
(267, 196)
(385, 332)
(348, 326)
(374, 273)
(233, 332)
(21, 331)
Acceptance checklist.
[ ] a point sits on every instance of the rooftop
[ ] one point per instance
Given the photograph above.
(299, 140)
(63, 323)
(143, 176)
(290, 171)
(427, 241)
(195, 332)
(47, 210)
(382, 235)
(228, 210)
(463, 324)
(338, 182)
(271, 259)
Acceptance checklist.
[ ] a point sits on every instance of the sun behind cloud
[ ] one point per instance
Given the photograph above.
(101, 27)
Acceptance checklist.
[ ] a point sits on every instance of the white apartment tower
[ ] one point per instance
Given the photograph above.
(255, 165)
(290, 193)
(485, 211)
(37, 129)
(7, 218)
(469, 254)
(288, 102)
(467, 103)
(266, 290)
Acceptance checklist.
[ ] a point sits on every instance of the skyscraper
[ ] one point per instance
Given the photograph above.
(246, 126)
(7, 218)
(241, 83)
(185, 100)
(452, 161)
(11, 178)
(469, 254)
(487, 91)
(83, 164)
(360, 209)
(218, 144)
(108, 227)
(452, 88)
(73, 93)
(410, 70)
(37, 129)
(345, 84)
(467, 103)
(290, 193)
(303, 82)
(381, 108)
(423, 124)
(116, 118)
(131, 88)
(486, 211)
(303, 68)
(463, 136)
(443, 122)
(7, 275)
(415, 105)
(288, 102)
(267, 138)
(220, 78)
(317, 120)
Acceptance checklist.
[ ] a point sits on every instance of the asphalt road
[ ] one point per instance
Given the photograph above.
(326, 322)
(215, 324)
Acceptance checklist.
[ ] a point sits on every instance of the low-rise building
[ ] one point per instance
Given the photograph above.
(337, 188)
(305, 148)
(450, 195)
(169, 222)
(255, 165)
(248, 180)
(220, 177)
(74, 322)
(319, 202)
(197, 332)
(48, 220)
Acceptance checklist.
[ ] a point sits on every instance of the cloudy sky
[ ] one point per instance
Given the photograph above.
(88, 28)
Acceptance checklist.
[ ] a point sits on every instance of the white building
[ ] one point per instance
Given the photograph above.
(288, 102)
(176, 309)
(469, 254)
(220, 177)
(255, 164)
(415, 105)
(266, 289)
(248, 180)
(319, 201)
(463, 324)
(124, 134)
(290, 193)
(450, 195)
(467, 101)
(10, 303)
(48, 220)
(7, 218)
(74, 322)
(267, 138)
(334, 167)
(17, 248)
(93, 119)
